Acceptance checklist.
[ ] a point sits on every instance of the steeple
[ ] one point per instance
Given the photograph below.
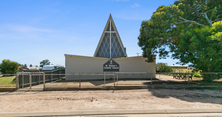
(110, 45)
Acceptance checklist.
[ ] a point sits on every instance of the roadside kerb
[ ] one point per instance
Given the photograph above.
(129, 87)
(113, 112)
(5, 89)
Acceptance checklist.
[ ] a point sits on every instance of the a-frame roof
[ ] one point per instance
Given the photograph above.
(103, 34)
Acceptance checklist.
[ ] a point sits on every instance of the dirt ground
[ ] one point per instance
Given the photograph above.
(109, 99)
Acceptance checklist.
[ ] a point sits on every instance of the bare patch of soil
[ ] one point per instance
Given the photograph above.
(111, 99)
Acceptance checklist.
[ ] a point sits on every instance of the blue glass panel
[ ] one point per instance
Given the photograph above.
(104, 49)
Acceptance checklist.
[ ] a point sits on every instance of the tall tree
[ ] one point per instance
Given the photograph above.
(9, 67)
(189, 29)
(162, 67)
(44, 62)
(23, 65)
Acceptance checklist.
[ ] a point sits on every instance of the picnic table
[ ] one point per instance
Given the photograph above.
(181, 75)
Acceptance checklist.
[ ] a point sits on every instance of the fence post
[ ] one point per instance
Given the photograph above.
(30, 80)
(17, 82)
(114, 79)
(151, 78)
(104, 78)
(188, 78)
(43, 80)
(79, 80)
(60, 73)
(51, 76)
(22, 80)
(117, 78)
(39, 78)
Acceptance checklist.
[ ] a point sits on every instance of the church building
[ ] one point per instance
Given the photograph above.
(110, 47)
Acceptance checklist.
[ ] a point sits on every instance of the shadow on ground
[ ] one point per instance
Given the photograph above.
(196, 91)
(101, 81)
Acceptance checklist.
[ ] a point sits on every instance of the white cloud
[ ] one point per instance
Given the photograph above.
(25, 29)
(135, 5)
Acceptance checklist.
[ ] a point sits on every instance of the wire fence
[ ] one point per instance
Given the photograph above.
(192, 77)
(108, 79)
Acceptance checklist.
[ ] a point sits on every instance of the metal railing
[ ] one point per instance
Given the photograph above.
(107, 78)
(150, 74)
(190, 77)
(30, 79)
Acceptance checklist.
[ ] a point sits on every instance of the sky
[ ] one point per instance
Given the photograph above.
(34, 30)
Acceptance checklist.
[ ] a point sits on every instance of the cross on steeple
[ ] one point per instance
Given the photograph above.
(110, 31)
(110, 45)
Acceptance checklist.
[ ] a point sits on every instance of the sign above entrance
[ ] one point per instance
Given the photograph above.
(111, 66)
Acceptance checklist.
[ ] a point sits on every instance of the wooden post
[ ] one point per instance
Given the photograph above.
(22, 80)
(51, 76)
(30, 80)
(43, 81)
(60, 73)
(17, 82)
(79, 80)
(117, 78)
(151, 78)
(188, 78)
(104, 78)
(39, 77)
(114, 79)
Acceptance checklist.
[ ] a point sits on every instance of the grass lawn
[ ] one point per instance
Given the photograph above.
(7, 81)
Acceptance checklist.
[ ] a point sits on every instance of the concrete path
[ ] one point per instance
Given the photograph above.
(142, 113)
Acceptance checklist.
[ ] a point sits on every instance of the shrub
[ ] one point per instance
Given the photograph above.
(196, 75)
(9, 67)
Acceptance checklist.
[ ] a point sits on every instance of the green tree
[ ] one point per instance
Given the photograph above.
(189, 29)
(44, 62)
(23, 65)
(9, 67)
(162, 67)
